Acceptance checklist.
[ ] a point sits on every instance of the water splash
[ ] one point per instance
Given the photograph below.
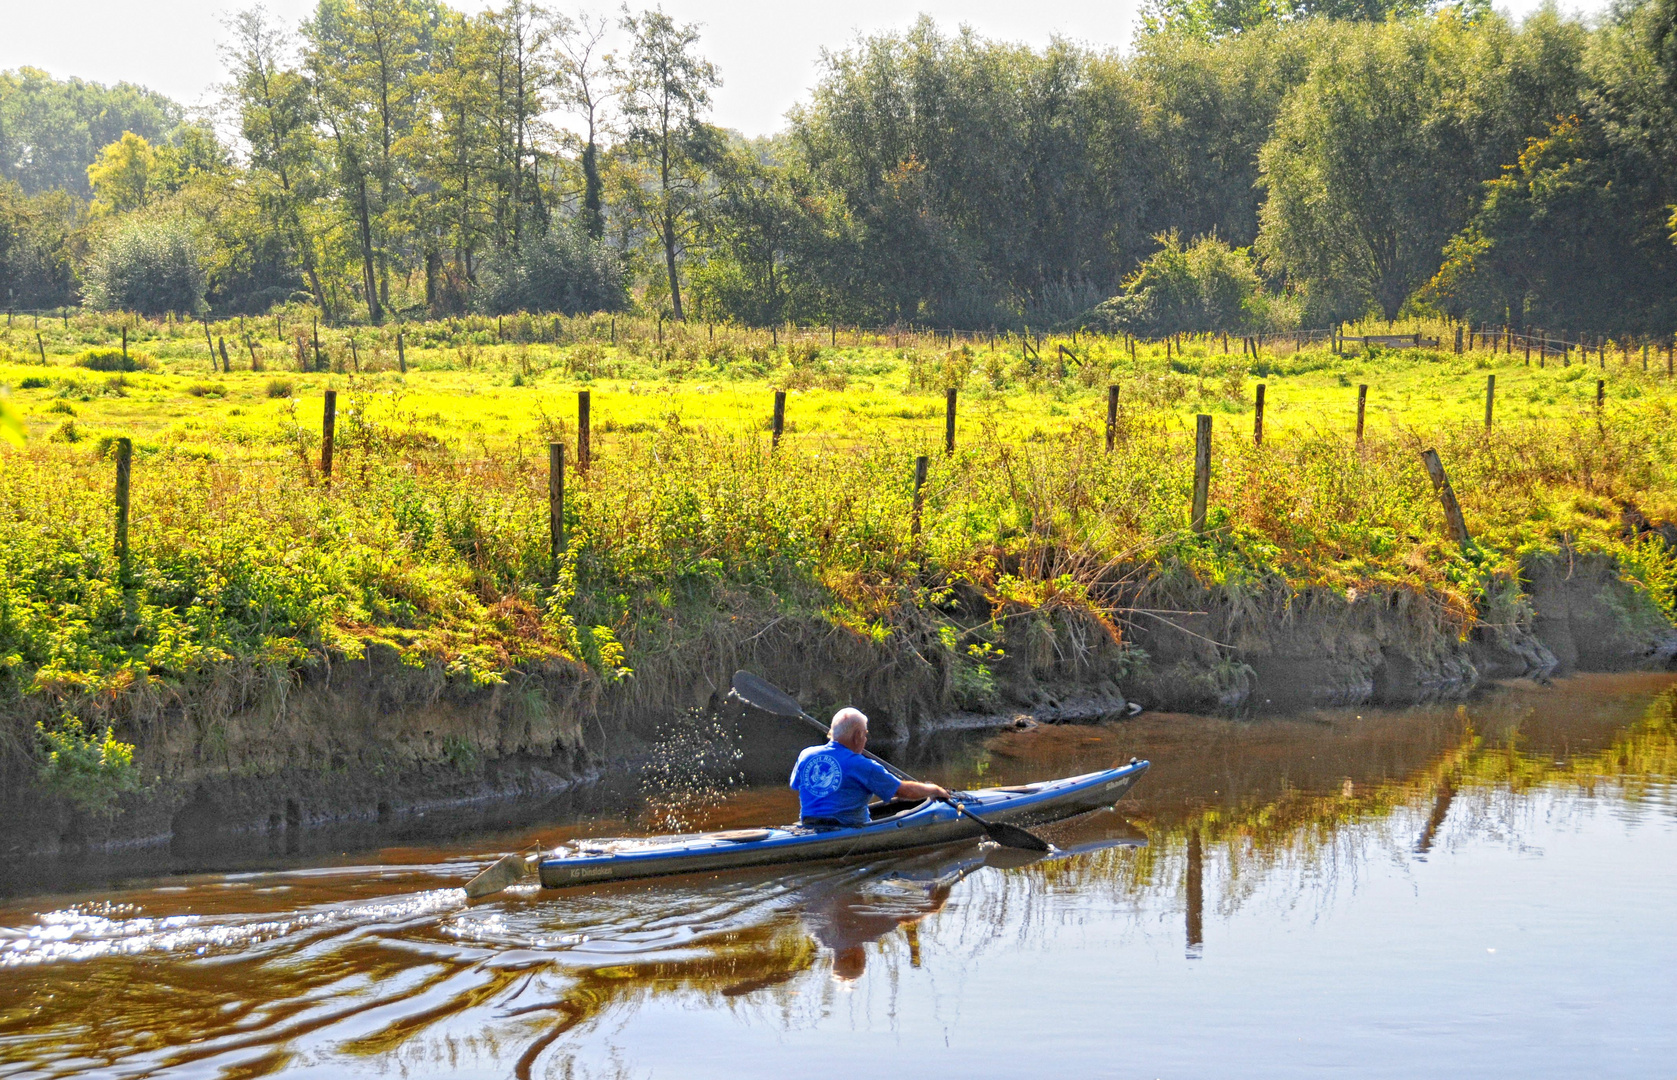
(695, 762)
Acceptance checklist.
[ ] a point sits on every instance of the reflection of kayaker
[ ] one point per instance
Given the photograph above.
(846, 917)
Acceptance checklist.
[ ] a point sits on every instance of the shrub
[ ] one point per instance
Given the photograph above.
(88, 770)
(109, 359)
(34, 382)
(150, 265)
(1205, 286)
(563, 271)
(61, 407)
(205, 389)
(279, 388)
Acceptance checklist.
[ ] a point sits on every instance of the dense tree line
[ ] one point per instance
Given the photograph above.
(1250, 164)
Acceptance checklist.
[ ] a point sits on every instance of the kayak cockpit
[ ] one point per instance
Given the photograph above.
(880, 811)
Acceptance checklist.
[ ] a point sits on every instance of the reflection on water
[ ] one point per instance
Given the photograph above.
(1480, 890)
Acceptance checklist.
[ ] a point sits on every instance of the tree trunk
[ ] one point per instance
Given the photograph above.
(592, 219)
(669, 264)
(369, 269)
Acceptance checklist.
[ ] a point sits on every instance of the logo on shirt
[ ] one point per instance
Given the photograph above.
(822, 775)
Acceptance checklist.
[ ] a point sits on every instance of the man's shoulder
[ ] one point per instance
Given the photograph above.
(811, 751)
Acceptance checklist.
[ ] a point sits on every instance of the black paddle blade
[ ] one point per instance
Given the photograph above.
(1014, 837)
(760, 693)
(1004, 834)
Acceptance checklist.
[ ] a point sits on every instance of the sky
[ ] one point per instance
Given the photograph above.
(768, 53)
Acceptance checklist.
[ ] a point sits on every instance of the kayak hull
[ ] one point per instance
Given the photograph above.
(895, 828)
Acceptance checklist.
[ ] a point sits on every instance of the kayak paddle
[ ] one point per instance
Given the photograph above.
(507, 870)
(762, 694)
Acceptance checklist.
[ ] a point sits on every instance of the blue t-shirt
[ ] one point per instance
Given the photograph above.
(834, 781)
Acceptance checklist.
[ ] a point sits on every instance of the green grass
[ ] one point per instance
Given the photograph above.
(432, 537)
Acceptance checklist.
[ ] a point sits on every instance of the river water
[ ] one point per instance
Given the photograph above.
(1465, 891)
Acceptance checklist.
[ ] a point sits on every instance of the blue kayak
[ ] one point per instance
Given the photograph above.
(895, 826)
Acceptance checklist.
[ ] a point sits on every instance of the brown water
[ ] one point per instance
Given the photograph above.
(1483, 890)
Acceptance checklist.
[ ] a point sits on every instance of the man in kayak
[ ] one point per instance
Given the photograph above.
(834, 781)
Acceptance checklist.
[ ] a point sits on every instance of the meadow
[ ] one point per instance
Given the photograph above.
(431, 536)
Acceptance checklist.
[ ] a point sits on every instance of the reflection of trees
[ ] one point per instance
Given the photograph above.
(1314, 839)
(1289, 811)
(1318, 839)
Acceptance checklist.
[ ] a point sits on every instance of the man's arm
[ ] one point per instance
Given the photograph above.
(914, 789)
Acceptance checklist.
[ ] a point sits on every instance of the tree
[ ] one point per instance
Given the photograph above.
(564, 270)
(665, 93)
(121, 174)
(1219, 18)
(147, 264)
(772, 241)
(36, 234)
(524, 79)
(51, 130)
(1379, 156)
(583, 88)
(455, 154)
(1575, 235)
(363, 58)
(276, 117)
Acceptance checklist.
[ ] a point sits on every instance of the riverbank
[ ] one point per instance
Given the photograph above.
(267, 762)
(282, 646)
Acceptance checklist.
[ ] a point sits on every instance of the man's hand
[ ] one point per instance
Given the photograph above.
(914, 789)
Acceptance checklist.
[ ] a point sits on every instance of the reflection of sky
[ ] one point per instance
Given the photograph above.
(768, 52)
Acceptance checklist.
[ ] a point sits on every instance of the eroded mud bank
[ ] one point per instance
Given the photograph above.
(252, 755)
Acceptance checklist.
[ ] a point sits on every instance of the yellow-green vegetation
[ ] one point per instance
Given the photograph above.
(431, 537)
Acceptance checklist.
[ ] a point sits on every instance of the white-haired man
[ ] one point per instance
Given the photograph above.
(834, 781)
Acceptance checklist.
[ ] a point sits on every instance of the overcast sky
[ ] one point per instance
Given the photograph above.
(767, 52)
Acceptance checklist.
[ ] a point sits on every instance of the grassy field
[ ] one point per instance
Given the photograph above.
(432, 536)
(464, 387)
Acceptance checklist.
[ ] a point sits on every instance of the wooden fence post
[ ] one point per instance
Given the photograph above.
(919, 496)
(1258, 416)
(1202, 469)
(1600, 394)
(556, 499)
(41, 345)
(221, 345)
(949, 420)
(317, 343)
(1111, 417)
(582, 448)
(779, 424)
(1490, 400)
(1458, 339)
(328, 425)
(1362, 408)
(124, 472)
(1447, 497)
(401, 354)
(125, 348)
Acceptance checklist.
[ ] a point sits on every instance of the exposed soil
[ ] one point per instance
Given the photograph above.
(372, 741)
